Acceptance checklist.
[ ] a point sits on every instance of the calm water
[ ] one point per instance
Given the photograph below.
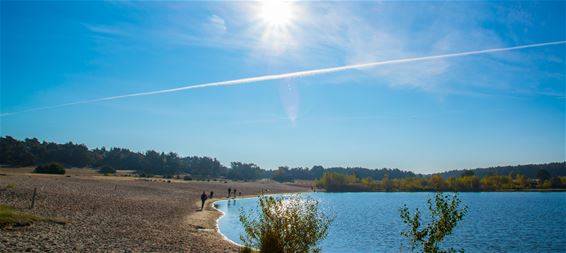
(369, 222)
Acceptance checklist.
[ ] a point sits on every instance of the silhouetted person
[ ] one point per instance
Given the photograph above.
(211, 194)
(239, 194)
(234, 192)
(229, 191)
(203, 198)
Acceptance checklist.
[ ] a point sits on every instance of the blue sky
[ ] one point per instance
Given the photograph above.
(465, 112)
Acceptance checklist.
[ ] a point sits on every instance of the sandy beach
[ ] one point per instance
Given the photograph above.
(118, 213)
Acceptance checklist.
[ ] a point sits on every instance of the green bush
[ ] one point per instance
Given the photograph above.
(52, 168)
(445, 214)
(291, 224)
(106, 170)
(187, 178)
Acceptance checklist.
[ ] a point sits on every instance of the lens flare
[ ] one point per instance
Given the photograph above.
(276, 13)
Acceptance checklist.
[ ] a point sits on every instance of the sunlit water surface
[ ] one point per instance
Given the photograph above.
(369, 222)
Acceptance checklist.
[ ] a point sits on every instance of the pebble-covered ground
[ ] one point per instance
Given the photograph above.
(117, 214)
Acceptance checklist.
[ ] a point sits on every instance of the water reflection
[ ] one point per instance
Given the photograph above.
(231, 202)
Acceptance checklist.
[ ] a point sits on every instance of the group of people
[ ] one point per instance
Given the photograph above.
(231, 193)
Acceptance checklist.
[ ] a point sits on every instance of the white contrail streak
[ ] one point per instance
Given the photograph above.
(293, 74)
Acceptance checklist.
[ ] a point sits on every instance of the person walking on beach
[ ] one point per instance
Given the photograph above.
(211, 194)
(234, 192)
(203, 198)
(229, 191)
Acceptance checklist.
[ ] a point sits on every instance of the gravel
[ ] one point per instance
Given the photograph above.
(117, 214)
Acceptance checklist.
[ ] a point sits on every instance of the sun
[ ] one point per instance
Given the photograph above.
(276, 12)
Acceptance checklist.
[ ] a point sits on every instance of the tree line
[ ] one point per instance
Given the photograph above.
(527, 170)
(32, 152)
(467, 181)
(286, 174)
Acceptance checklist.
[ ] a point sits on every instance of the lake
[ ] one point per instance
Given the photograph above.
(370, 222)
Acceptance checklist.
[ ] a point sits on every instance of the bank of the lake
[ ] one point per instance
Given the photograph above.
(117, 214)
(369, 222)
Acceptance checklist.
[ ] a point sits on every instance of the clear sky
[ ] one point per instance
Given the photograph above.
(463, 112)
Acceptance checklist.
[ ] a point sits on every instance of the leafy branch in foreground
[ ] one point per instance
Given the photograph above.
(445, 214)
(285, 224)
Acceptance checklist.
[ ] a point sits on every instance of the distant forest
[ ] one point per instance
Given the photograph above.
(529, 170)
(32, 152)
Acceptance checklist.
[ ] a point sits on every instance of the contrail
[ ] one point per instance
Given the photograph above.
(293, 74)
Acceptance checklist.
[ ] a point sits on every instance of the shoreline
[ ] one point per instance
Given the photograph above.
(220, 217)
(210, 205)
(111, 213)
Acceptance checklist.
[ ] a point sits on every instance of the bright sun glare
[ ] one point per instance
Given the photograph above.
(276, 12)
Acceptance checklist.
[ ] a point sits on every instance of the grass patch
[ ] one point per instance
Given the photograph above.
(10, 217)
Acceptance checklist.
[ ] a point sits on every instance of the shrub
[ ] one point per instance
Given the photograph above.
(145, 175)
(187, 178)
(106, 170)
(556, 182)
(10, 217)
(292, 224)
(52, 168)
(445, 214)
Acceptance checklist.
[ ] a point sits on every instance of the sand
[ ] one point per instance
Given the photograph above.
(117, 213)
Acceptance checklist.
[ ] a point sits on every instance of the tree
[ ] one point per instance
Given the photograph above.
(556, 182)
(106, 170)
(285, 224)
(543, 175)
(445, 214)
(546, 184)
(368, 182)
(521, 181)
(282, 174)
(52, 168)
(437, 182)
(386, 183)
(317, 171)
(244, 171)
(467, 173)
